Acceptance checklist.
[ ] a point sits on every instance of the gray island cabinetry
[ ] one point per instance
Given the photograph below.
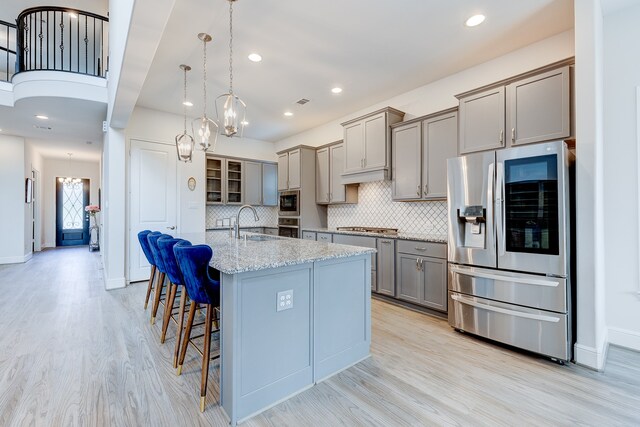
(270, 352)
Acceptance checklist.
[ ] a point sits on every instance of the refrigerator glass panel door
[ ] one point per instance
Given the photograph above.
(532, 206)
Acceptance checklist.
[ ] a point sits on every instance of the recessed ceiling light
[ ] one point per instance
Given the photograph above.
(42, 117)
(475, 20)
(188, 103)
(288, 113)
(244, 123)
(0, 130)
(255, 57)
(336, 90)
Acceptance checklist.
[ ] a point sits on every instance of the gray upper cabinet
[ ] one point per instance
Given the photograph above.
(482, 121)
(367, 142)
(283, 171)
(532, 107)
(289, 170)
(329, 168)
(253, 183)
(539, 108)
(386, 267)
(439, 143)
(322, 176)
(407, 162)
(269, 184)
(420, 149)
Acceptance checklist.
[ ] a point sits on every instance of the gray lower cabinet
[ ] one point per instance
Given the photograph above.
(324, 237)
(271, 231)
(421, 274)
(309, 235)
(386, 267)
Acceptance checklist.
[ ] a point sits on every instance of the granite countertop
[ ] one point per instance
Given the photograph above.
(422, 237)
(243, 227)
(232, 256)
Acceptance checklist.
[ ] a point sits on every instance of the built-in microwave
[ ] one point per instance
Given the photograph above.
(289, 204)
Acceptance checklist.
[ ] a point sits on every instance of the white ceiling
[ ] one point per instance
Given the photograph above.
(72, 123)
(373, 49)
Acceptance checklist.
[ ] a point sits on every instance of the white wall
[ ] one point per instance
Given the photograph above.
(440, 94)
(621, 252)
(54, 168)
(12, 195)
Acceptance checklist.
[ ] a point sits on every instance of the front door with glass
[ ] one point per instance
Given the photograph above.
(72, 222)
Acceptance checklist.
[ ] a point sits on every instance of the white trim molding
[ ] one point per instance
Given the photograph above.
(624, 338)
(115, 283)
(592, 357)
(16, 259)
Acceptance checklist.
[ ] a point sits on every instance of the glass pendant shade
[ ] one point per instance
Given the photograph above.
(233, 114)
(184, 141)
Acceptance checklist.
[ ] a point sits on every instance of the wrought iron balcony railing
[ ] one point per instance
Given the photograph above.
(57, 39)
(8, 42)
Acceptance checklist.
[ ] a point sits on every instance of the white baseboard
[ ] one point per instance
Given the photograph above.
(16, 259)
(116, 283)
(591, 357)
(624, 338)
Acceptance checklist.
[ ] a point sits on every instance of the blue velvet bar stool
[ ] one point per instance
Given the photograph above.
(175, 281)
(153, 244)
(146, 250)
(203, 291)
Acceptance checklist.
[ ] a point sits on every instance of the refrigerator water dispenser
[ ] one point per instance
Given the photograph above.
(472, 219)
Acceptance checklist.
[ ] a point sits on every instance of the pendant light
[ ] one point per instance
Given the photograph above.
(69, 179)
(233, 108)
(184, 141)
(204, 124)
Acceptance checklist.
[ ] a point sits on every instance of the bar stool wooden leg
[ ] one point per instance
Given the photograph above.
(150, 287)
(168, 307)
(176, 351)
(156, 298)
(187, 335)
(206, 353)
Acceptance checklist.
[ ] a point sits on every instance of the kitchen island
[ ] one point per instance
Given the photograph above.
(294, 312)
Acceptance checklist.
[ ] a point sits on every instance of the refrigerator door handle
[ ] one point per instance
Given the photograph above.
(500, 214)
(490, 191)
(469, 301)
(484, 275)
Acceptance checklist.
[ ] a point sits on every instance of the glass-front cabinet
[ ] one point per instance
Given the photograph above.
(214, 181)
(224, 181)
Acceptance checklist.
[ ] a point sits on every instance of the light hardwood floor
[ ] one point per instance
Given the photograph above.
(73, 354)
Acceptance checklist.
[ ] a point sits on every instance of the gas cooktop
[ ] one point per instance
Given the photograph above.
(389, 231)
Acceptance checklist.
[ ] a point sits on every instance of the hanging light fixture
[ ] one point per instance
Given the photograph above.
(69, 179)
(233, 117)
(204, 123)
(184, 141)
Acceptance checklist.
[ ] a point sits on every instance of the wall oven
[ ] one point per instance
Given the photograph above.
(509, 252)
(289, 204)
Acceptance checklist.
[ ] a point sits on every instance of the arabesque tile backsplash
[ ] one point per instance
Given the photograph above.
(268, 215)
(376, 209)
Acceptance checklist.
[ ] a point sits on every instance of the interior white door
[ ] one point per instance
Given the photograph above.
(152, 198)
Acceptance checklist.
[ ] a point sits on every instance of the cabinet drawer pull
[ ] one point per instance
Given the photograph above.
(420, 249)
(386, 242)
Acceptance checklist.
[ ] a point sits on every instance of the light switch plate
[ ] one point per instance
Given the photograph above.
(284, 300)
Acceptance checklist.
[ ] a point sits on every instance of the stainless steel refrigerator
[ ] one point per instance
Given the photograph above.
(509, 247)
